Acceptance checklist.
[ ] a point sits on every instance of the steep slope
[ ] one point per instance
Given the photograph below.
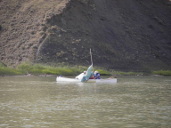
(130, 35)
(123, 35)
(22, 27)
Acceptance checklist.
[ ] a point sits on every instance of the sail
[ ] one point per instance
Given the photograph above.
(88, 74)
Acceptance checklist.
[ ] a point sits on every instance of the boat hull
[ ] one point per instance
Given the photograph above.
(73, 80)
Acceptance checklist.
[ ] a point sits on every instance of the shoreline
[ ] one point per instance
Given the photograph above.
(27, 69)
(52, 75)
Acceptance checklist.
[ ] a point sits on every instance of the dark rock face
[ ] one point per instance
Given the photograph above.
(123, 35)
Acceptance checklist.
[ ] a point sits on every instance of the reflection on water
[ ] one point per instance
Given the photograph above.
(133, 102)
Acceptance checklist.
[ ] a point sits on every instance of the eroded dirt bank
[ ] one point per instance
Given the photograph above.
(123, 35)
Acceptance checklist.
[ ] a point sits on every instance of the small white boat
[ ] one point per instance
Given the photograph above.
(84, 78)
(74, 80)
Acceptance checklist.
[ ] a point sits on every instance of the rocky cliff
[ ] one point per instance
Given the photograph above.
(123, 35)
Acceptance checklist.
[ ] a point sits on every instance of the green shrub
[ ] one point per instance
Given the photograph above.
(103, 72)
(24, 68)
(8, 71)
(162, 72)
(36, 69)
(126, 73)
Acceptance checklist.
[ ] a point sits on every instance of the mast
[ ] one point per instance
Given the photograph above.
(91, 57)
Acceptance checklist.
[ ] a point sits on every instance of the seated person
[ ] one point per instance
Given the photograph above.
(96, 75)
(92, 76)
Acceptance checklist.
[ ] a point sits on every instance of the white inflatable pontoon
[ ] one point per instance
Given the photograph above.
(104, 81)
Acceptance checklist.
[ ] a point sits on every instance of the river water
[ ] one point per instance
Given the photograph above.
(40, 102)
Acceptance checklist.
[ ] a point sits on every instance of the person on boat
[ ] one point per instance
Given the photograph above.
(96, 75)
(92, 75)
(84, 72)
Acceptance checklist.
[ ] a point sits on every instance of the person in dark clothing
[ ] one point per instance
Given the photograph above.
(96, 75)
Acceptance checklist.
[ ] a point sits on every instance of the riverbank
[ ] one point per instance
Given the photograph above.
(40, 69)
(131, 35)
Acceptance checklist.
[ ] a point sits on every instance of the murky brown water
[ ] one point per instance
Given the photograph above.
(37, 102)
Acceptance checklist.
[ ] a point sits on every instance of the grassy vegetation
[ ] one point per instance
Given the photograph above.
(39, 69)
(104, 72)
(127, 73)
(9, 71)
(162, 72)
